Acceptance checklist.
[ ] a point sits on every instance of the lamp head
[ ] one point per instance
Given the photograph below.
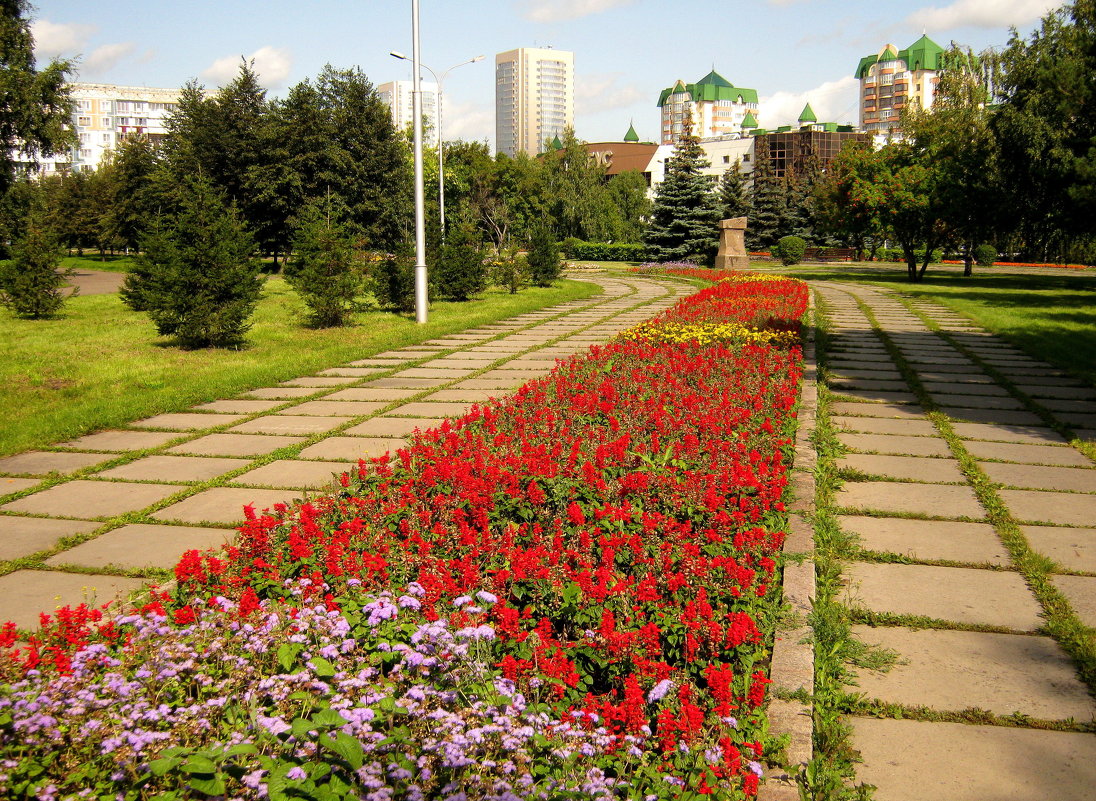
(398, 54)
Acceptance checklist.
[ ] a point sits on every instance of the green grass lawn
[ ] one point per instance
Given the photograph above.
(100, 364)
(1049, 315)
(108, 263)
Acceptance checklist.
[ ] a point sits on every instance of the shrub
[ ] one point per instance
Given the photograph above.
(510, 271)
(325, 270)
(603, 251)
(789, 250)
(985, 255)
(543, 259)
(459, 272)
(197, 277)
(31, 285)
(569, 246)
(393, 282)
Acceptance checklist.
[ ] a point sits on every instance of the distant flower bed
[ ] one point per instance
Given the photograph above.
(567, 593)
(1026, 264)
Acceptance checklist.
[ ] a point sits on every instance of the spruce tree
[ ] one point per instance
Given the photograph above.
(684, 219)
(326, 271)
(460, 272)
(543, 258)
(768, 205)
(197, 278)
(733, 200)
(31, 285)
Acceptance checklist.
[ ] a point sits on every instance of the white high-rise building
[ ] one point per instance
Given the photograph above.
(397, 95)
(534, 98)
(104, 115)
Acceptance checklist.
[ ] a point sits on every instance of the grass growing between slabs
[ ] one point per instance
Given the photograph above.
(1049, 316)
(99, 364)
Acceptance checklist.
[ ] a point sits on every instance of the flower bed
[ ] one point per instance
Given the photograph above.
(566, 593)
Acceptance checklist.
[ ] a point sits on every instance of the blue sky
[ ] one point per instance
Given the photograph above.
(626, 51)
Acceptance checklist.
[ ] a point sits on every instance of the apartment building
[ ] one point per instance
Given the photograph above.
(106, 114)
(892, 80)
(397, 95)
(713, 105)
(534, 98)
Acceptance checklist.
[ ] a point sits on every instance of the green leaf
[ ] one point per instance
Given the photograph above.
(288, 653)
(328, 719)
(322, 667)
(214, 785)
(200, 764)
(347, 747)
(161, 766)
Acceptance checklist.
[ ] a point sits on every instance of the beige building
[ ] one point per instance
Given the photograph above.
(894, 79)
(397, 95)
(713, 106)
(534, 98)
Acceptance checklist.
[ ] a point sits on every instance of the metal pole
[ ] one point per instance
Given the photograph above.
(421, 300)
(441, 164)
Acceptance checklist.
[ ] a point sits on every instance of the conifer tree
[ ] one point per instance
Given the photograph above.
(768, 205)
(733, 194)
(684, 219)
(197, 277)
(460, 272)
(325, 270)
(543, 258)
(31, 285)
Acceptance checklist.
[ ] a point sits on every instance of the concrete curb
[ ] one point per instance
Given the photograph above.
(792, 667)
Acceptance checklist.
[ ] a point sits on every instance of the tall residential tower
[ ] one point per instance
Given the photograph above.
(534, 98)
(397, 95)
(713, 105)
(893, 79)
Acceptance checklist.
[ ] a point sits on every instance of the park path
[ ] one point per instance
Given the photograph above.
(964, 544)
(83, 518)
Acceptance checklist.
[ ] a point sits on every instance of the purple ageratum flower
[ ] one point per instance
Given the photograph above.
(462, 600)
(756, 768)
(487, 597)
(297, 773)
(275, 726)
(408, 602)
(659, 691)
(416, 589)
(380, 610)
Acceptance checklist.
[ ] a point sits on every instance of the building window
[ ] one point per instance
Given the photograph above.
(745, 158)
(83, 121)
(726, 159)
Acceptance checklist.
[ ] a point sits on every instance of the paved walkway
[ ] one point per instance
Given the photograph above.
(82, 519)
(938, 568)
(96, 282)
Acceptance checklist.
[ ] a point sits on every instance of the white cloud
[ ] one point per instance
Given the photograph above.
(597, 93)
(562, 10)
(53, 39)
(833, 101)
(272, 65)
(980, 14)
(472, 122)
(103, 59)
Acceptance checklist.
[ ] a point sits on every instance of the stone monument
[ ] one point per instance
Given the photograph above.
(732, 245)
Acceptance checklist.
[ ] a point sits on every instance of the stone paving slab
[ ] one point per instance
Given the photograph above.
(235, 445)
(974, 543)
(917, 761)
(290, 424)
(141, 545)
(353, 372)
(175, 468)
(431, 372)
(883, 425)
(42, 463)
(1067, 406)
(957, 594)
(382, 396)
(224, 504)
(428, 409)
(405, 383)
(464, 395)
(877, 395)
(931, 500)
(280, 393)
(1061, 455)
(948, 388)
(1072, 548)
(461, 362)
(951, 399)
(319, 382)
(518, 374)
(294, 474)
(92, 499)
(9, 486)
(993, 416)
(860, 374)
(1061, 392)
(334, 408)
(1050, 507)
(840, 384)
(1030, 435)
(22, 536)
(954, 378)
(1070, 479)
(342, 449)
(505, 383)
(186, 421)
(392, 426)
(895, 444)
(882, 410)
(957, 670)
(1081, 593)
(25, 594)
(239, 406)
(906, 468)
(119, 441)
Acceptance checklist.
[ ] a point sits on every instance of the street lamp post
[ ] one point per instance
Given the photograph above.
(441, 139)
